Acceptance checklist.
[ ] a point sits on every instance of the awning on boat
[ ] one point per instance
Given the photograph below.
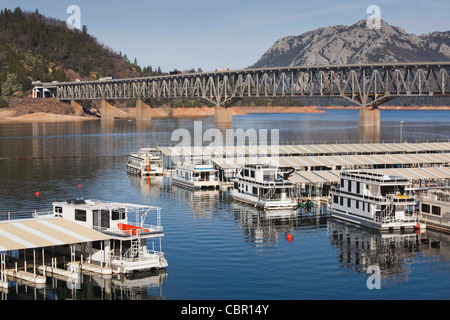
(18, 234)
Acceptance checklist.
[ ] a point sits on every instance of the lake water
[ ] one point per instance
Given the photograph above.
(216, 248)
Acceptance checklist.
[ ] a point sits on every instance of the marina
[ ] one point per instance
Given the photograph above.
(208, 235)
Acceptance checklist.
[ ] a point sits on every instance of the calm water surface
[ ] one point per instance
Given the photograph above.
(216, 248)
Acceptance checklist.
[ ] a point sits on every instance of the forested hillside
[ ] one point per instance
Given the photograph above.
(34, 47)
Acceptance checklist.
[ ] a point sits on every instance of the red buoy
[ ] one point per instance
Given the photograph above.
(289, 237)
(37, 193)
(79, 186)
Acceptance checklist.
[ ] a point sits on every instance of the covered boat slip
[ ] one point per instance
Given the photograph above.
(306, 150)
(36, 242)
(307, 163)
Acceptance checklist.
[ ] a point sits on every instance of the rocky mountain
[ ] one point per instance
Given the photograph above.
(356, 44)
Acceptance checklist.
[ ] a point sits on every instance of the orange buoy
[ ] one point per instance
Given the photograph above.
(37, 193)
(418, 225)
(289, 237)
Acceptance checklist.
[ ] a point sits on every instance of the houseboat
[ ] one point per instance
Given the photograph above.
(373, 200)
(434, 209)
(146, 162)
(127, 226)
(196, 174)
(263, 187)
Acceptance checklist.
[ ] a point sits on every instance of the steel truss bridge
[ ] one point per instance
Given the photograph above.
(365, 85)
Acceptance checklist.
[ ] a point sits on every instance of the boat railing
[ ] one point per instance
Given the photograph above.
(30, 214)
(397, 199)
(396, 220)
(131, 232)
(143, 254)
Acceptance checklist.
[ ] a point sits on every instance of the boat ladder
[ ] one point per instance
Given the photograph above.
(388, 210)
(133, 252)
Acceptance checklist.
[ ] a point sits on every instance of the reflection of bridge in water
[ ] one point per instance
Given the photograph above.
(367, 85)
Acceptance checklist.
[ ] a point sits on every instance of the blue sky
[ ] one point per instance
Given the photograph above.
(225, 34)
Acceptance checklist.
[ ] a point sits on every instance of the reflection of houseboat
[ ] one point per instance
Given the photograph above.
(146, 162)
(374, 200)
(435, 209)
(196, 174)
(261, 186)
(126, 224)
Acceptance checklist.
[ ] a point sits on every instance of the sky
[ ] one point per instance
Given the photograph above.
(210, 34)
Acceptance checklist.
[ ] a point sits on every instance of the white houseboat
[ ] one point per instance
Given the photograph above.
(261, 186)
(435, 209)
(374, 200)
(196, 174)
(127, 225)
(145, 162)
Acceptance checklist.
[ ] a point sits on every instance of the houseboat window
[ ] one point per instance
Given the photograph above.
(342, 201)
(236, 185)
(118, 214)
(349, 202)
(350, 186)
(425, 208)
(368, 207)
(80, 215)
(252, 173)
(255, 190)
(335, 199)
(246, 172)
(358, 187)
(436, 210)
(357, 204)
(58, 209)
(342, 183)
(269, 175)
(363, 207)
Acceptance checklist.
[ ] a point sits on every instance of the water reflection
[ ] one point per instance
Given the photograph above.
(138, 286)
(360, 247)
(369, 134)
(265, 228)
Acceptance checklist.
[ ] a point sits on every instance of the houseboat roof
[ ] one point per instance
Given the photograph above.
(18, 234)
(373, 177)
(98, 204)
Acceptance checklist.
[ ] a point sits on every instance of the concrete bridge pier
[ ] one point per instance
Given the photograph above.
(143, 111)
(223, 117)
(106, 111)
(76, 107)
(369, 117)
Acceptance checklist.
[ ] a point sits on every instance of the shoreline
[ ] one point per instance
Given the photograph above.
(424, 108)
(8, 115)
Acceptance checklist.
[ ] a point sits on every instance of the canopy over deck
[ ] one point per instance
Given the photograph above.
(44, 232)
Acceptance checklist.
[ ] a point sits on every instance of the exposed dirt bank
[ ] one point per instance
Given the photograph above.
(392, 107)
(51, 110)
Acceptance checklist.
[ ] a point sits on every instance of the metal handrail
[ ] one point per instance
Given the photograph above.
(14, 215)
(379, 199)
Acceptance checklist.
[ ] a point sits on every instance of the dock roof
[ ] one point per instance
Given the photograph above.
(306, 150)
(21, 234)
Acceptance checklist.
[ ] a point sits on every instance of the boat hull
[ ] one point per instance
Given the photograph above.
(345, 216)
(265, 205)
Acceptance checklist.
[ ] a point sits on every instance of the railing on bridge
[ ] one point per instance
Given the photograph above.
(365, 85)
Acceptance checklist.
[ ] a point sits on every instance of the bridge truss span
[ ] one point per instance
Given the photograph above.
(365, 85)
